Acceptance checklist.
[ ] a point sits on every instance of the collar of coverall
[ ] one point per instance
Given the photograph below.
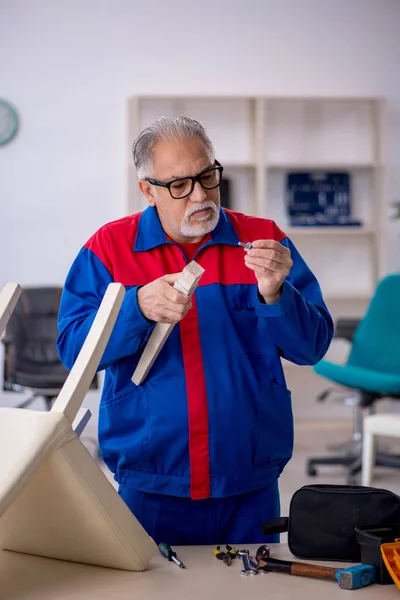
(151, 234)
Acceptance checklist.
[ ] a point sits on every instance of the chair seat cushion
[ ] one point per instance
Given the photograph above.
(26, 437)
(359, 378)
(56, 502)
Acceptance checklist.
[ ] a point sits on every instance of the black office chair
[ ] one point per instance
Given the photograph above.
(31, 361)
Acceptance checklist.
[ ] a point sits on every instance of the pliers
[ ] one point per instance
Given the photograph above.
(227, 556)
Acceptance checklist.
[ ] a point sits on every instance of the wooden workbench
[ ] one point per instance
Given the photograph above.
(25, 577)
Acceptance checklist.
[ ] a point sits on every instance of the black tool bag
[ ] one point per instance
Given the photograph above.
(322, 520)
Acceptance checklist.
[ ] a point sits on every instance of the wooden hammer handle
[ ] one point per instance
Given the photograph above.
(307, 570)
(295, 568)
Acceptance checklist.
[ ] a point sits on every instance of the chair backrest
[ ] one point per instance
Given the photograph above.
(31, 358)
(8, 299)
(32, 329)
(376, 342)
(70, 398)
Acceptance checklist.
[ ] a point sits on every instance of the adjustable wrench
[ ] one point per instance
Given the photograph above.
(247, 563)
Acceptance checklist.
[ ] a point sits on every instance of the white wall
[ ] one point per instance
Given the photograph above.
(69, 68)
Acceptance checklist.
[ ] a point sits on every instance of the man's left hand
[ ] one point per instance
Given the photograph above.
(271, 263)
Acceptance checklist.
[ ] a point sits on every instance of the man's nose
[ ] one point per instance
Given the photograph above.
(199, 194)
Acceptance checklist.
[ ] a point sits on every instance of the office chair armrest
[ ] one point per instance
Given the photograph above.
(345, 328)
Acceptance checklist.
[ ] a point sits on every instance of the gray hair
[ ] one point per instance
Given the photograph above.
(166, 129)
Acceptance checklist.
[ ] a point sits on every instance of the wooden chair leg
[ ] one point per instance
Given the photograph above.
(186, 283)
(81, 375)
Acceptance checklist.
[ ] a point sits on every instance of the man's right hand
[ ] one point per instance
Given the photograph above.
(160, 302)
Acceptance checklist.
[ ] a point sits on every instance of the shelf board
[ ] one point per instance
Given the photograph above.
(311, 166)
(226, 164)
(340, 360)
(343, 296)
(269, 98)
(327, 230)
(201, 96)
(238, 165)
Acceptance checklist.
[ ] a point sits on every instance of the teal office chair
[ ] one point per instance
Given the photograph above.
(372, 371)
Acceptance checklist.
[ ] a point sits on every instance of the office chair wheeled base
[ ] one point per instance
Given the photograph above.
(344, 461)
(352, 464)
(362, 403)
(47, 398)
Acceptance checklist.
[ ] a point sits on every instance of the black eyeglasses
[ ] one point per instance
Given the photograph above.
(184, 186)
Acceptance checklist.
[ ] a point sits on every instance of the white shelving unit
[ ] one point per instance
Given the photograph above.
(259, 140)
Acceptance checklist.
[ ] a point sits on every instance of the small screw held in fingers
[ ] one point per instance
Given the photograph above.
(247, 246)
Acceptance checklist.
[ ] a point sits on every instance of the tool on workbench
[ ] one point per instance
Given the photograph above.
(371, 540)
(249, 567)
(351, 578)
(247, 246)
(262, 552)
(254, 564)
(390, 555)
(227, 556)
(231, 550)
(168, 553)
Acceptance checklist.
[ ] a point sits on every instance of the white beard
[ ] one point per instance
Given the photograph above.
(204, 224)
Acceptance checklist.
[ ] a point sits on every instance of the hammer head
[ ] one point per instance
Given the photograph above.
(356, 577)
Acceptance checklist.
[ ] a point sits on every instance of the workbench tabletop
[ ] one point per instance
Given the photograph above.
(26, 577)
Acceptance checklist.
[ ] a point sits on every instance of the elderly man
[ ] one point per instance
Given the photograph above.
(198, 447)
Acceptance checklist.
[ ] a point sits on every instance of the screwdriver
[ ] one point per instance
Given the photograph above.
(168, 553)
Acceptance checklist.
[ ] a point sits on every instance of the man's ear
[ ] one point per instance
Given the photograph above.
(147, 190)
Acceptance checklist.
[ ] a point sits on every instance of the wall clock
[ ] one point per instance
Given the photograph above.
(8, 122)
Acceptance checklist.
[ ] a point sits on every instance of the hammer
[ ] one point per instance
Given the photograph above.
(351, 578)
